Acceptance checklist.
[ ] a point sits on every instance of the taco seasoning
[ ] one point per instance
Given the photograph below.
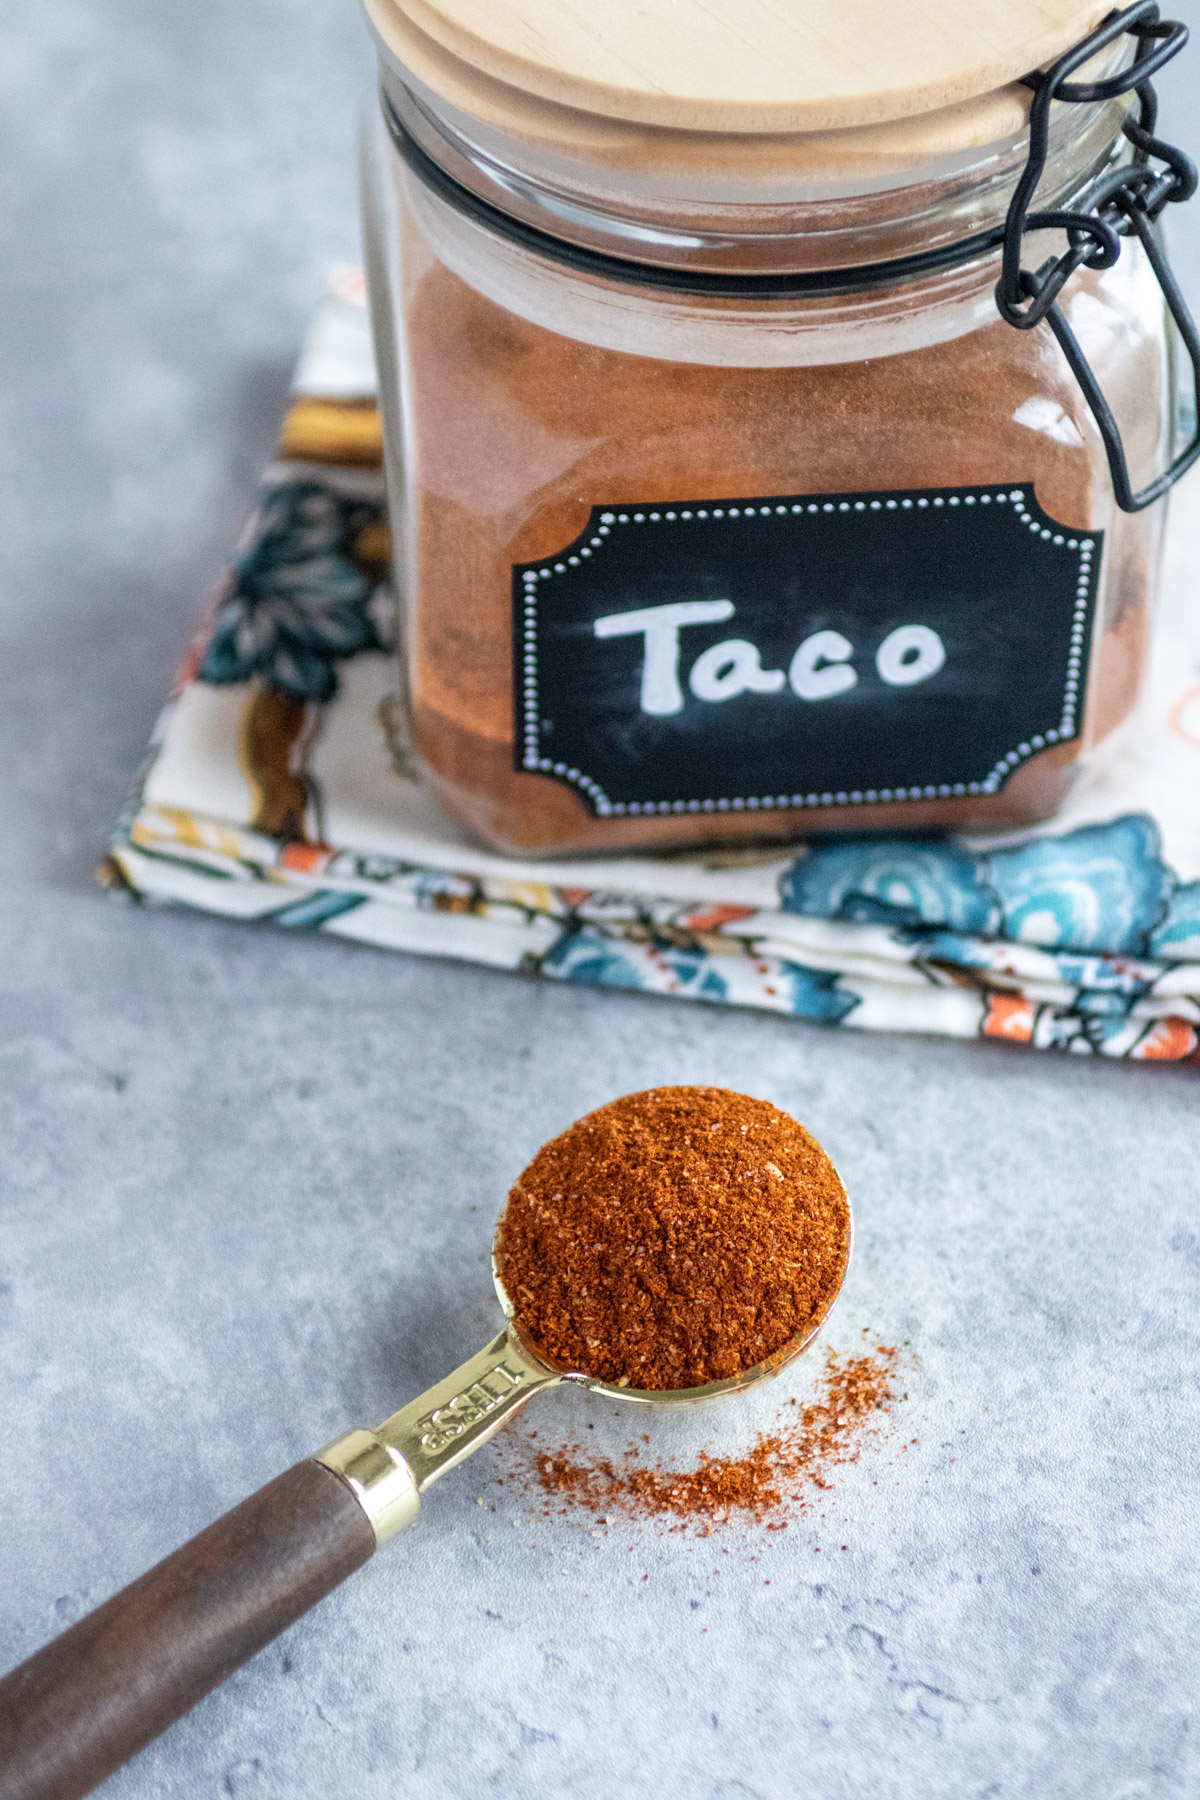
(775, 1476)
(732, 505)
(673, 1238)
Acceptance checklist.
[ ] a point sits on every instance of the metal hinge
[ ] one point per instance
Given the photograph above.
(1125, 199)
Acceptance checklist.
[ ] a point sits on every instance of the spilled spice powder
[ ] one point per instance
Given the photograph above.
(673, 1238)
(766, 1481)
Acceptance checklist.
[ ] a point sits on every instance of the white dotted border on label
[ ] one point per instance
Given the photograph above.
(535, 763)
(532, 758)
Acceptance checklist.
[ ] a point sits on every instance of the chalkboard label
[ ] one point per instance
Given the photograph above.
(812, 650)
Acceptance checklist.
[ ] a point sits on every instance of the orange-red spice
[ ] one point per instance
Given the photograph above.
(763, 1482)
(673, 1238)
(517, 431)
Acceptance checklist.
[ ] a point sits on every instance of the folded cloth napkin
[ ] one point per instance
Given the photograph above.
(279, 787)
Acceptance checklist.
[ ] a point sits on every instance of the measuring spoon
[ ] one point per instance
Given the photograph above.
(83, 1705)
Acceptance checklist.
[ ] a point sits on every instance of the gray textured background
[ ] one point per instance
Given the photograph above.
(247, 1177)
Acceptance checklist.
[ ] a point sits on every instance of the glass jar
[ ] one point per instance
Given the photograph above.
(728, 505)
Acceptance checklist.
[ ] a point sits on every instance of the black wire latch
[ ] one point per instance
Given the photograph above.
(1126, 199)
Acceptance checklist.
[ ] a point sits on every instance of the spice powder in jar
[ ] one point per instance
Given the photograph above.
(673, 1238)
(731, 505)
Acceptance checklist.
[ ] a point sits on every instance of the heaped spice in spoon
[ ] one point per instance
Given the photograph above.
(673, 1238)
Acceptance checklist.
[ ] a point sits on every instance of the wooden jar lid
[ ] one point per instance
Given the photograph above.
(743, 65)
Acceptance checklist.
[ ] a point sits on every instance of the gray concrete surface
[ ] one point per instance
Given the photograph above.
(247, 1179)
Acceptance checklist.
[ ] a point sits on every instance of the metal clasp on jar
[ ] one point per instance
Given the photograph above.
(1126, 199)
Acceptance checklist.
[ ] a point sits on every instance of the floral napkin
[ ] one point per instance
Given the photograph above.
(279, 788)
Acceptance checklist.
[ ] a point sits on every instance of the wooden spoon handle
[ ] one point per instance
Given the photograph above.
(80, 1707)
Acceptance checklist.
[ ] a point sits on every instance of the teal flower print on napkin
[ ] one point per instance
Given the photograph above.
(297, 603)
(892, 881)
(1101, 887)
(1177, 939)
